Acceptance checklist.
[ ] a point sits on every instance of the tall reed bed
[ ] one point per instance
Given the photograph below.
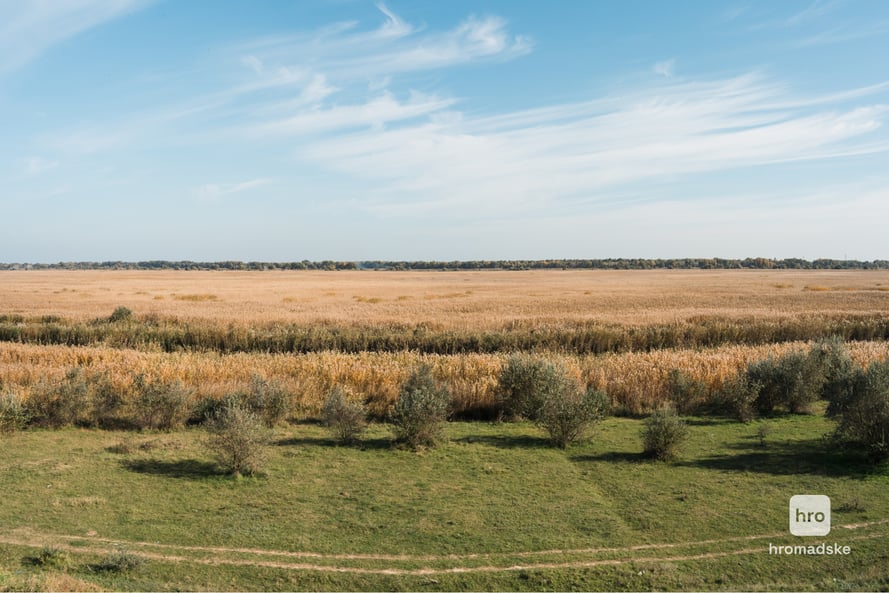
(635, 382)
(578, 338)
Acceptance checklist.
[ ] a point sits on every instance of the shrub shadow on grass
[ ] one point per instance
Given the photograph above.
(183, 468)
(376, 443)
(814, 456)
(614, 457)
(715, 421)
(507, 441)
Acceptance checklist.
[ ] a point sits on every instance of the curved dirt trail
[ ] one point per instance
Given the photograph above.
(215, 555)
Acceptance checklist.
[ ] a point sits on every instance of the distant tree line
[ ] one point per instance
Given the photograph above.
(716, 263)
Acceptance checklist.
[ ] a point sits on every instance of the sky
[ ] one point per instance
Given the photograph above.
(426, 130)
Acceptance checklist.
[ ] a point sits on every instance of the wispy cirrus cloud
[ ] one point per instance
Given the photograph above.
(331, 79)
(342, 52)
(35, 165)
(664, 68)
(814, 11)
(210, 192)
(587, 151)
(28, 29)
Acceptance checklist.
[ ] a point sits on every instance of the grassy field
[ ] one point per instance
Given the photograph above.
(495, 508)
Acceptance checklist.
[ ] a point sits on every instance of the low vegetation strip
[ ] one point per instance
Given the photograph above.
(173, 335)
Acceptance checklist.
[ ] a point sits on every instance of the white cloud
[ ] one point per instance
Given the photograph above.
(253, 63)
(28, 29)
(376, 113)
(814, 11)
(559, 154)
(210, 192)
(665, 68)
(343, 52)
(36, 165)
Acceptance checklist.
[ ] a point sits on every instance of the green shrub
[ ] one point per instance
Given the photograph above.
(419, 414)
(159, 405)
(120, 314)
(794, 381)
(525, 384)
(55, 405)
(14, 413)
(737, 397)
(346, 419)
(206, 407)
(53, 557)
(762, 432)
(237, 438)
(119, 561)
(664, 434)
(106, 403)
(839, 371)
(269, 400)
(568, 415)
(686, 394)
(863, 415)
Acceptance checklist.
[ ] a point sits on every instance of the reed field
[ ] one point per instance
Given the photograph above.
(487, 300)
(636, 382)
(621, 331)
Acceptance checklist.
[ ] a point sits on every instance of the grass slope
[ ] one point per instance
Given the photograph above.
(495, 502)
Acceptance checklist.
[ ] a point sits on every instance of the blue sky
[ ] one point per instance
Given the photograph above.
(351, 130)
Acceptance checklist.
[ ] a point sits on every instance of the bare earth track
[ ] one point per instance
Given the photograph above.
(447, 564)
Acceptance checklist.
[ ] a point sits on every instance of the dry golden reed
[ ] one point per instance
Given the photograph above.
(636, 382)
(488, 300)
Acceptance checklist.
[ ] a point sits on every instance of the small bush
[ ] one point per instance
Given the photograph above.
(120, 314)
(686, 394)
(14, 413)
(237, 438)
(55, 405)
(269, 400)
(664, 434)
(737, 398)
(53, 557)
(419, 414)
(205, 408)
(762, 432)
(119, 561)
(863, 416)
(159, 405)
(568, 415)
(346, 419)
(106, 403)
(526, 382)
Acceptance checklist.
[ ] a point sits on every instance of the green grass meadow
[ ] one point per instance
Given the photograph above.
(495, 508)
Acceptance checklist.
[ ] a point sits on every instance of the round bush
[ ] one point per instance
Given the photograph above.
(567, 415)
(237, 438)
(664, 434)
(346, 419)
(419, 414)
(526, 382)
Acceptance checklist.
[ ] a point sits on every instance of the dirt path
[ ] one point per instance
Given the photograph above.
(210, 555)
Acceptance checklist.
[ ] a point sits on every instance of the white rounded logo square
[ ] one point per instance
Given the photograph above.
(809, 514)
